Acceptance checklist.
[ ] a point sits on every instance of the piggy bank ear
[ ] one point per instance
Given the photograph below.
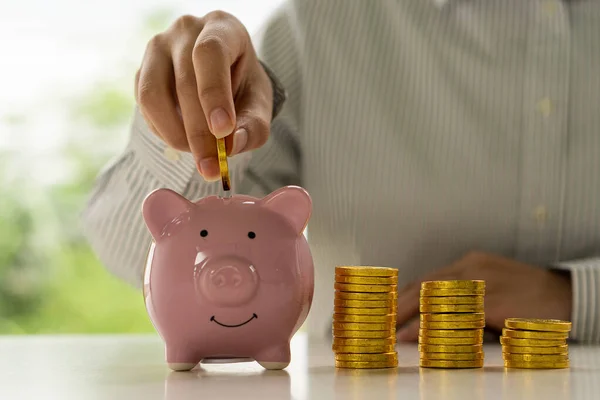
(160, 208)
(293, 203)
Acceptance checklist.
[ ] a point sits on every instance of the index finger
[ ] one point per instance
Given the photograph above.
(218, 47)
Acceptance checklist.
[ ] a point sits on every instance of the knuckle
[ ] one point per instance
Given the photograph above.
(186, 22)
(218, 15)
(155, 43)
(198, 134)
(210, 45)
(475, 258)
(185, 80)
(211, 93)
(147, 94)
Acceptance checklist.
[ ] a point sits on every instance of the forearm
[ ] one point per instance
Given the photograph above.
(585, 281)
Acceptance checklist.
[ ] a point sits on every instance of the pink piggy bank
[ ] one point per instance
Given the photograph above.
(228, 278)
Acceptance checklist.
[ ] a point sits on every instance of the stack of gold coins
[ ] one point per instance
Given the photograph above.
(452, 322)
(535, 343)
(364, 317)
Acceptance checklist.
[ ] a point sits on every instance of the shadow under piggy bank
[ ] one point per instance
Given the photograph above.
(219, 382)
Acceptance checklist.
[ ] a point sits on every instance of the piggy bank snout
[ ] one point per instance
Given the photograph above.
(228, 281)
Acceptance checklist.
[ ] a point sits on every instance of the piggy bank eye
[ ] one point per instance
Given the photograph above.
(204, 233)
(251, 235)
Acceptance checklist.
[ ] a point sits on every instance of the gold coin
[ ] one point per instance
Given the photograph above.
(452, 325)
(534, 334)
(460, 284)
(389, 318)
(434, 348)
(364, 342)
(564, 349)
(351, 287)
(452, 333)
(451, 292)
(507, 341)
(450, 363)
(546, 325)
(366, 296)
(451, 308)
(363, 311)
(367, 357)
(366, 364)
(366, 271)
(363, 326)
(223, 166)
(536, 365)
(452, 300)
(452, 317)
(364, 334)
(535, 357)
(363, 349)
(366, 280)
(365, 303)
(450, 341)
(452, 356)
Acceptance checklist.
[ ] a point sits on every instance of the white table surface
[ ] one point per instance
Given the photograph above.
(132, 367)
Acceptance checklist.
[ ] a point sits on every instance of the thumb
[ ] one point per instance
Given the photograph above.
(409, 332)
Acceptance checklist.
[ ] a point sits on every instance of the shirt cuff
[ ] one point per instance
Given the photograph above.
(279, 93)
(172, 168)
(585, 282)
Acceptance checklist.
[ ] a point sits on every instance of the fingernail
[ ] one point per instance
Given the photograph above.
(209, 168)
(220, 122)
(240, 138)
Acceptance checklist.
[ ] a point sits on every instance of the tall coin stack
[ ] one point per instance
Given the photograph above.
(535, 343)
(364, 319)
(452, 322)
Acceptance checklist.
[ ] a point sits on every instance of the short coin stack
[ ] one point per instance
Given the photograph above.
(364, 319)
(452, 322)
(535, 343)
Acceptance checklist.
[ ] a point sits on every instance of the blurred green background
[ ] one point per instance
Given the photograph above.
(50, 279)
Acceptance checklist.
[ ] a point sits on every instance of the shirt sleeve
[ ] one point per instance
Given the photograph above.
(112, 219)
(585, 281)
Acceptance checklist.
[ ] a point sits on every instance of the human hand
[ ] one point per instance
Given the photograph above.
(513, 289)
(201, 79)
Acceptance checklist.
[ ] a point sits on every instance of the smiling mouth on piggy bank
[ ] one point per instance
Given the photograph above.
(213, 319)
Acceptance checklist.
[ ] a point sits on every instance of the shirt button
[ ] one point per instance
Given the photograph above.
(549, 7)
(540, 214)
(171, 154)
(544, 106)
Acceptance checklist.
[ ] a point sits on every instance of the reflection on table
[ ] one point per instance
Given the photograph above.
(133, 367)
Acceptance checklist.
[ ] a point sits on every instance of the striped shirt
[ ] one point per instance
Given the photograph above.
(423, 130)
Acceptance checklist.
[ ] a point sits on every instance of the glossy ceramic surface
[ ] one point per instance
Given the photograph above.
(228, 278)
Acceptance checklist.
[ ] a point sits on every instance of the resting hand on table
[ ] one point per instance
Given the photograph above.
(513, 289)
(201, 79)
